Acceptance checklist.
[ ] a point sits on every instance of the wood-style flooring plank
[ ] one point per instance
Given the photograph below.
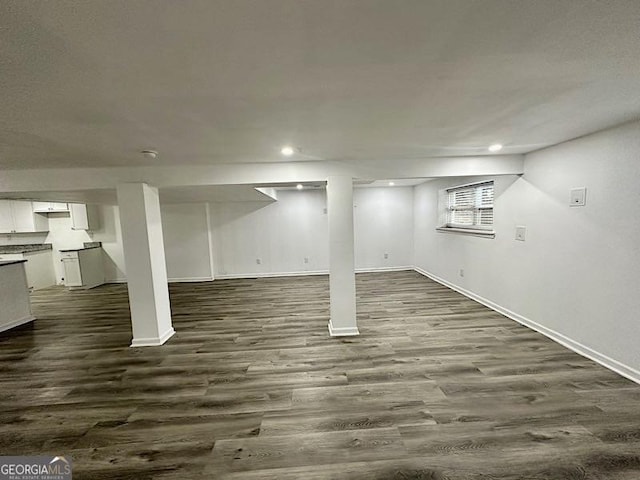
(251, 387)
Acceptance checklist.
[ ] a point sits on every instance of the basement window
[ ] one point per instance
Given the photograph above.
(468, 209)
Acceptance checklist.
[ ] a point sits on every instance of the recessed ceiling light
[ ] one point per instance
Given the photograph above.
(496, 147)
(287, 151)
(149, 153)
(391, 184)
(299, 186)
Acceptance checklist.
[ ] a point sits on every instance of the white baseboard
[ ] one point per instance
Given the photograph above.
(302, 273)
(604, 360)
(17, 323)
(234, 276)
(153, 341)
(382, 269)
(342, 331)
(189, 279)
(170, 280)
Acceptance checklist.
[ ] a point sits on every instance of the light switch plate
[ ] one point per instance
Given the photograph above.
(521, 233)
(578, 197)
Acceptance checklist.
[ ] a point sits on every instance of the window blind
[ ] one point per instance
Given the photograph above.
(470, 206)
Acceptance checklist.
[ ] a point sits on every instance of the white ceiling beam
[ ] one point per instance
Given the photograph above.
(70, 179)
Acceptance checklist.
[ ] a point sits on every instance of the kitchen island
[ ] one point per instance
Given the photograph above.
(15, 307)
(39, 267)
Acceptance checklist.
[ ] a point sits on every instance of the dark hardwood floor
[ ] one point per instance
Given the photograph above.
(251, 387)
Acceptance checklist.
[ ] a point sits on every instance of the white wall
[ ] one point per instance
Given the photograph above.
(185, 234)
(282, 234)
(186, 242)
(576, 277)
(111, 237)
(383, 222)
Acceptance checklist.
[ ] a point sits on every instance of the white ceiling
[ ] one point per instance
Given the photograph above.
(92, 83)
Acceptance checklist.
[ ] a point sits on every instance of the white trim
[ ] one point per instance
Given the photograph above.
(342, 331)
(233, 276)
(17, 323)
(467, 185)
(189, 279)
(604, 360)
(302, 273)
(153, 341)
(212, 269)
(113, 280)
(468, 231)
(382, 269)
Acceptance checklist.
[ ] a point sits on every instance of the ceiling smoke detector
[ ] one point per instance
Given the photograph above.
(149, 153)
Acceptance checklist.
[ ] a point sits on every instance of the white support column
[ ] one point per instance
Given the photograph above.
(342, 275)
(145, 264)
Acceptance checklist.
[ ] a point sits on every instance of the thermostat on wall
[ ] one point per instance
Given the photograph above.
(578, 197)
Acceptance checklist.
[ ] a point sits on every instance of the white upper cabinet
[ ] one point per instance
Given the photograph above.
(24, 220)
(16, 216)
(50, 207)
(83, 217)
(6, 218)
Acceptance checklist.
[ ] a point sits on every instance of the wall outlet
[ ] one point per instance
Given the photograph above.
(521, 233)
(462, 272)
(258, 261)
(578, 197)
(386, 256)
(306, 259)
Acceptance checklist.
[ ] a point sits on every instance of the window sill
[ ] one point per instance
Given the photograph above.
(464, 231)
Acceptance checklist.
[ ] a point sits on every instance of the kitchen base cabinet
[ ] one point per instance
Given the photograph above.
(38, 267)
(83, 268)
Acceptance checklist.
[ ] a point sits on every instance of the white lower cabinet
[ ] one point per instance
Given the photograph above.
(38, 267)
(83, 268)
(72, 274)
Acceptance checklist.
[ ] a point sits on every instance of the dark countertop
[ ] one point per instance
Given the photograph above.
(10, 262)
(27, 248)
(87, 246)
(77, 249)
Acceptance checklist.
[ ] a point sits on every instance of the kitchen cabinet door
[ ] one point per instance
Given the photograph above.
(59, 207)
(72, 273)
(41, 207)
(24, 219)
(50, 207)
(79, 217)
(6, 218)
